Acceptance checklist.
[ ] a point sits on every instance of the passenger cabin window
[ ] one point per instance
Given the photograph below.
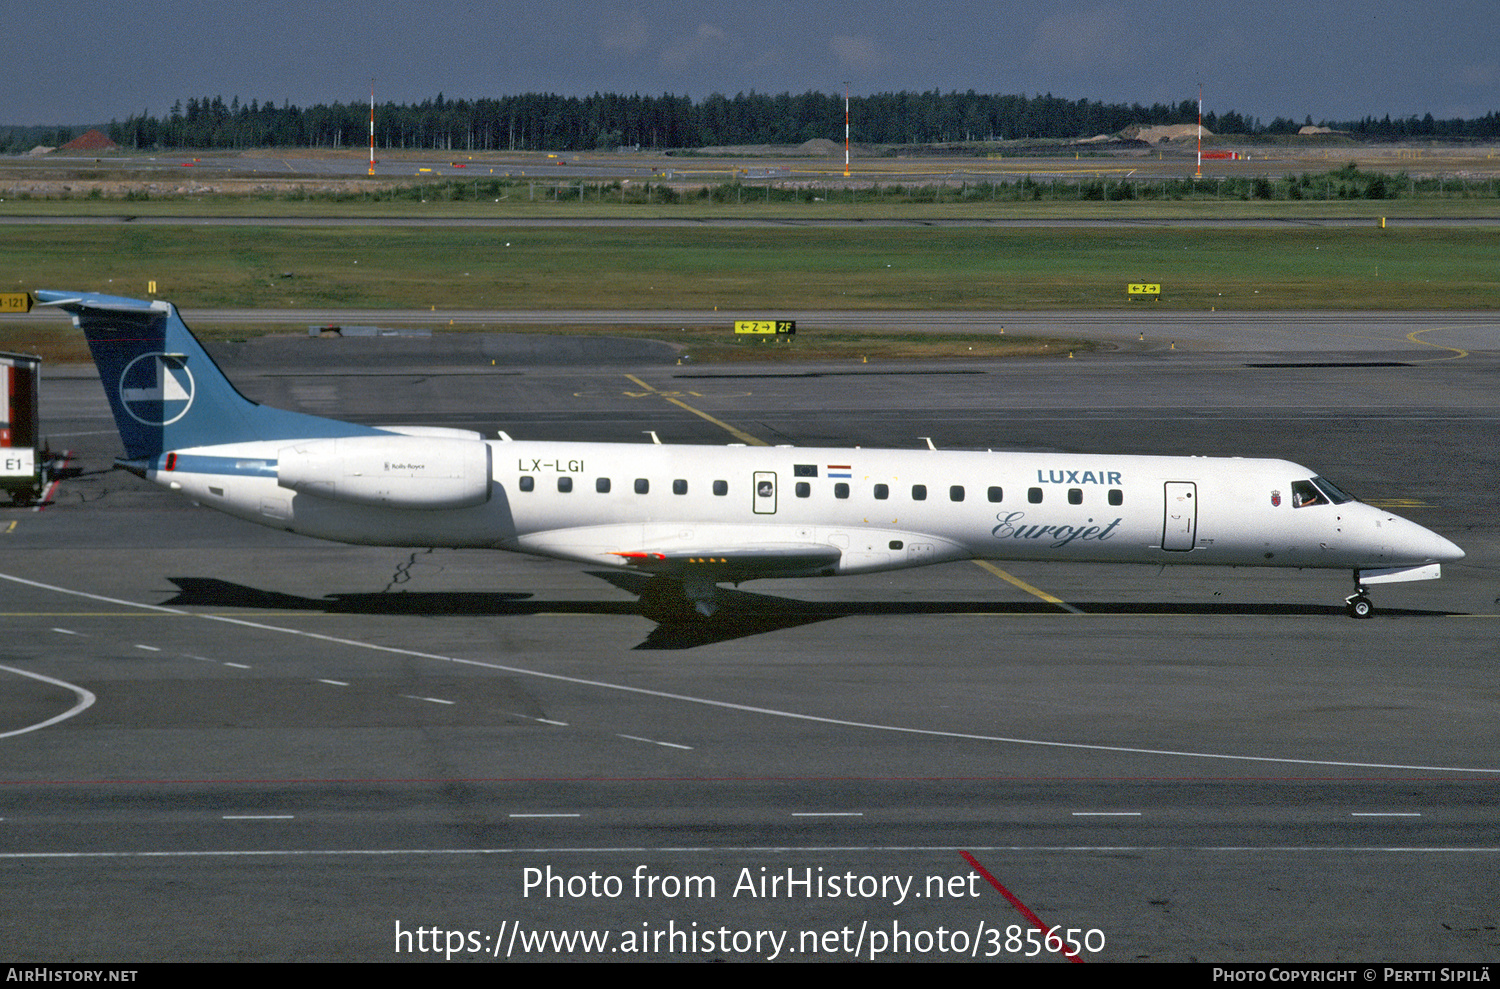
(919, 492)
(1034, 495)
(882, 492)
(721, 488)
(679, 487)
(602, 485)
(803, 489)
(564, 485)
(1075, 496)
(642, 485)
(995, 494)
(528, 483)
(1116, 497)
(956, 493)
(841, 490)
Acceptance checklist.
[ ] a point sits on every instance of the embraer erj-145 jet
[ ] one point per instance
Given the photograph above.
(692, 517)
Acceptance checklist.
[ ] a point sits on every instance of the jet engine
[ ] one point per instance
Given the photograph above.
(420, 472)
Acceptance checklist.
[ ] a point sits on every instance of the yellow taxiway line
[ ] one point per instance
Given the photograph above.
(738, 434)
(1414, 334)
(1033, 591)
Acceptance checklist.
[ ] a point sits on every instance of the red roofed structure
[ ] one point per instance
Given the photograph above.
(94, 140)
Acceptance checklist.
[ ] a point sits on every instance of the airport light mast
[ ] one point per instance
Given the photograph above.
(372, 126)
(1200, 131)
(846, 130)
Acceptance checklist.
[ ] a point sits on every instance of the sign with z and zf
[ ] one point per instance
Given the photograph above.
(766, 326)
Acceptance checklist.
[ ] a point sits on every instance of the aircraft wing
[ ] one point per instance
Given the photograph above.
(739, 563)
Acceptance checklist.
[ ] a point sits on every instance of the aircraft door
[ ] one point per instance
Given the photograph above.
(1180, 527)
(765, 492)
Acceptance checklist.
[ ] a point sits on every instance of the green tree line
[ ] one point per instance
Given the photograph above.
(549, 122)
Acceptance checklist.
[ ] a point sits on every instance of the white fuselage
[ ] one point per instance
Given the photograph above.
(607, 503)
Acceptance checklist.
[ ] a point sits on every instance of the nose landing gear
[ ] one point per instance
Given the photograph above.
(1358, 604)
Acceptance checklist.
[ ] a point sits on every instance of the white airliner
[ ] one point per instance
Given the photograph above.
(692, 517)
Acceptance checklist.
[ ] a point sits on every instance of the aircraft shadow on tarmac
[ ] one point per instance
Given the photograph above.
(741, 614)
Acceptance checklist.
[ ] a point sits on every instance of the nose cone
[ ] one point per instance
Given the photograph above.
(1443, 550)
(1416, 544)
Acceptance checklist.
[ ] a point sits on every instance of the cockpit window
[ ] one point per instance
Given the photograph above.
(1304, 494)
(1317, 491)
(1331, 492)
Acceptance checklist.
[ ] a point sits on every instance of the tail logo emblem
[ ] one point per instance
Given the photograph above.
(156, 389)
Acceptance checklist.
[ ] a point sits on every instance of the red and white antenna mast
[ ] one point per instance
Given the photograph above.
(1200, 131)
(846, 130)
(372, 126)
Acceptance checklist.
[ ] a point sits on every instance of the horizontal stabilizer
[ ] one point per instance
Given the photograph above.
(78, 301)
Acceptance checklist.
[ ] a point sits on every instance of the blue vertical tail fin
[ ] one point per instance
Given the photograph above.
(166, 393)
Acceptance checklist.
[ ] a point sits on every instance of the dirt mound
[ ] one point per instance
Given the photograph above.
(1164, 132)
(819, 146)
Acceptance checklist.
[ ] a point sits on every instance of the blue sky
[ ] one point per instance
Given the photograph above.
(88, 61)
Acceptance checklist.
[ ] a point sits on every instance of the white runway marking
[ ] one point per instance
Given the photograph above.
(753, 709)
(652, 741)
(828, 813)
(85, 701)
(544, 815)
(1106, 813)
(1390, 814)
